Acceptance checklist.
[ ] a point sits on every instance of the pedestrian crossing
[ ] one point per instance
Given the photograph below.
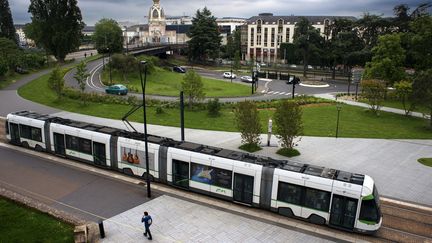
(277, 93)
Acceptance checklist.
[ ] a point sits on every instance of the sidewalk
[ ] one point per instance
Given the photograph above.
(391, 163)
(355, 103)
(177, 220)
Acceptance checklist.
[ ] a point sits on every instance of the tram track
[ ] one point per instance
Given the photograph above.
(404, 222)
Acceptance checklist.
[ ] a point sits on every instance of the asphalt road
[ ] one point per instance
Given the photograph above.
(68, 187)
(268, 89)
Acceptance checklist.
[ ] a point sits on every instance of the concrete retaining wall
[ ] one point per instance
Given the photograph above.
(2, 129)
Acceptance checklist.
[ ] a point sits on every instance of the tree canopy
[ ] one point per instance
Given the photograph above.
(308, 41)
(205, 37)
(7, 28)
(192, 86)
(56, 26)
(387, 61)
(108, 36)
(422, 90)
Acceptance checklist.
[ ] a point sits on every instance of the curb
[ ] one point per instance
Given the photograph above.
(315, 86)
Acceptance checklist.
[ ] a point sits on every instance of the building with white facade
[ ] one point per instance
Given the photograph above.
(263, 34)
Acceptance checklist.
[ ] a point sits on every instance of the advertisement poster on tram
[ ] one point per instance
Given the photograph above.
(136, 157)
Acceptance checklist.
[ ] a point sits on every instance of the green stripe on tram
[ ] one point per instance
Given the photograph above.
(368, 222)
(368, 197)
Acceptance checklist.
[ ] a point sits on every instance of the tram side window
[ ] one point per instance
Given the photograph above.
(289, 193)
(317, 199)
(32, 133)
(368, 211)
(81, 145)
(85, 146)
(72, 143)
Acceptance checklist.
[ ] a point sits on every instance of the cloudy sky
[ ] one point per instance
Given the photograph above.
(136, 10)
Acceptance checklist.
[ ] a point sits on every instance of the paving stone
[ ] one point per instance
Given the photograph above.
(197, 224)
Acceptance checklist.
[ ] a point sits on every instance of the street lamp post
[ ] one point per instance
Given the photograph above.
(338, 107)
(231, 75)
(143, 84)
(109, 64)
(127, 40)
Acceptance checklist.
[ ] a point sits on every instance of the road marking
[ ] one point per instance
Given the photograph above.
(93, 72)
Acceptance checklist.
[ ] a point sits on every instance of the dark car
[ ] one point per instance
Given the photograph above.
(293, 79)
(179, 69)
(117, 89)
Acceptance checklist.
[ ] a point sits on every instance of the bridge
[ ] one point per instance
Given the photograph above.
(155, 49)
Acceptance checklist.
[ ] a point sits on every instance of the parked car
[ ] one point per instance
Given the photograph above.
(229, 75)
(247, 79)
(179, 69)
(293, 66)
(117, 89)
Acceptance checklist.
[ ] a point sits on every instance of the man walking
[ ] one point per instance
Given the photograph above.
(147, 220)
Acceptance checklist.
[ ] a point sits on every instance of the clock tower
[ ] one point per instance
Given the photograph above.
(156, 22)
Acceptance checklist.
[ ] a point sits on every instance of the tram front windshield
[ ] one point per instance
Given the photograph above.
(370, 208)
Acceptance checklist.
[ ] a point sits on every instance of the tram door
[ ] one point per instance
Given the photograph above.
(180, 173)
(59, 144)
(243, 188)
(343, 211)
(99, 153)
(14, 133)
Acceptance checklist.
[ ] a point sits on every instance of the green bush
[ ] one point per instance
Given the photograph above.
(250, 147)
(288, 152)
(213, 107)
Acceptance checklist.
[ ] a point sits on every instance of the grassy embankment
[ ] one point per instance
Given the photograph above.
(319, 119)
(21, 224)
(168, 83)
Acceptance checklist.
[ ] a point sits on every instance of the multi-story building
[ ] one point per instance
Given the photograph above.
(263, 34)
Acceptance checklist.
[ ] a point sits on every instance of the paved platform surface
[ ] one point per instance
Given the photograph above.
(176, 220)
(391, 163)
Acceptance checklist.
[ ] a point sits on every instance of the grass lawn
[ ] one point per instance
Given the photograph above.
(11, 79)
(16, 76)
(398, 105)
(319, 119)
(426, 161)
(164, 82)
(21, 224)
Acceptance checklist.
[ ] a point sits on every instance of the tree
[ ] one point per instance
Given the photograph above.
(192, 87)
(124, 64)
(387, 61)
(371, 27)
(248, 123)
(421, 42)
(108, 36)
(345, 47)
(373, 91)
(422, 90)
(205, 38)
(81, 76)
(56, 82)
(404, 94)
(10, 52)
(56, 26)
(3, 67)
(236, 64)
(7, 28)
(307, 40)
(288, 123)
